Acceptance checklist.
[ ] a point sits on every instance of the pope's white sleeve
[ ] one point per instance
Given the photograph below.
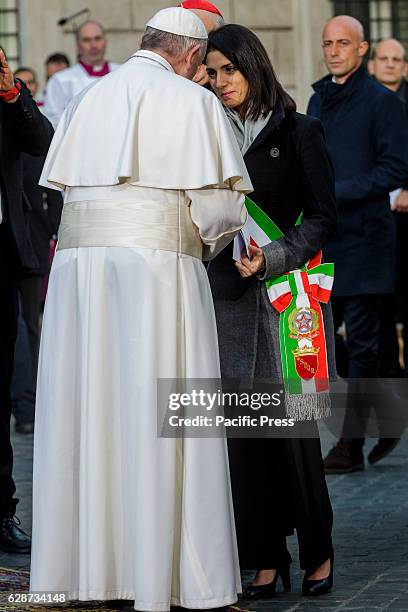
(219, 214)
(55, 101)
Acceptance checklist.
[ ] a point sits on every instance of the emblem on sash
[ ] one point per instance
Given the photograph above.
(303, 327)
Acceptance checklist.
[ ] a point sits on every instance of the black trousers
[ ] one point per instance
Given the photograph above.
(27, 347)
(402, 291)
(30, 289)
(388, 346)
(8, 332)
(402, 316)
(278, 485)
(362, 316)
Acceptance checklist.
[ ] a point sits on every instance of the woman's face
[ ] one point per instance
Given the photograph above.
(227, 81)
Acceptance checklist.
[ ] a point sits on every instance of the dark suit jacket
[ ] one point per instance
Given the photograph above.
(22, 129)
(366, 134)
(45, 210)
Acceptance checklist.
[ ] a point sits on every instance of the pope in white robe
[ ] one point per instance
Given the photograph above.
(153, 181)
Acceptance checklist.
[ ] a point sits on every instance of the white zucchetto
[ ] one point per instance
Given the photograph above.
(180, 21)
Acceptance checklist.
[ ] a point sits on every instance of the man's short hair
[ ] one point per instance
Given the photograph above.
(171, 44)
(373, 54)
(26, 69)
(90, 21)
(57, 58)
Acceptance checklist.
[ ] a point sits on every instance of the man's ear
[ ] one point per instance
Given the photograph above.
(194, 56)
(363, 48)
(370, 67)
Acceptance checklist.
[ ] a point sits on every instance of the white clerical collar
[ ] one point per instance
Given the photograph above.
(153, 57)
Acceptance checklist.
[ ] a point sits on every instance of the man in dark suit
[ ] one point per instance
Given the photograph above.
(45, 206)
(389, 67)
(22, 129)
(366, 135)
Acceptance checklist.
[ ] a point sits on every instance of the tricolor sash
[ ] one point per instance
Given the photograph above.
(296, 295)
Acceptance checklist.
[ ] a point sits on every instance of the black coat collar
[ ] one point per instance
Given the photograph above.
(333, 93)
(274, 122)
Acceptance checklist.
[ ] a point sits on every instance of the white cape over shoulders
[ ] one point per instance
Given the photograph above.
(146, 126)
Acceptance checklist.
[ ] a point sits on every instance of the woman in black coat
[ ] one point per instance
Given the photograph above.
(278, 484)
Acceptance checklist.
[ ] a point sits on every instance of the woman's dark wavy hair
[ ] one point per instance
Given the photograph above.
(244, 49)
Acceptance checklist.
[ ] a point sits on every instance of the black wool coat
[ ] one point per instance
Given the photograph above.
(290, 171)
(366, 134)
(280, 481)
(23, 129)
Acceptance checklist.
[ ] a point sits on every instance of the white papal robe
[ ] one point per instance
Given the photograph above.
(118, 512)
(63, 86)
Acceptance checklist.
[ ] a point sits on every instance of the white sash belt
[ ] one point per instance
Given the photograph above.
(150, 224)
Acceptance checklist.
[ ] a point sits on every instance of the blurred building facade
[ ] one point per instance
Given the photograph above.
(289, 29)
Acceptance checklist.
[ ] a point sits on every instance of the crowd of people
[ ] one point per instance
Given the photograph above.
(192, 151)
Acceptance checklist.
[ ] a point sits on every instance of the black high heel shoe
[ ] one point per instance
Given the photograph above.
(264, 591)
(319, 587)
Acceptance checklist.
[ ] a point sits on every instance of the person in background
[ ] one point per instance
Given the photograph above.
(29, 77)
(208, 13)
(92, 64)
(212, 20)
(44, 211)
(23, 129)
(366, 134)
(54, 63)
(388, 66)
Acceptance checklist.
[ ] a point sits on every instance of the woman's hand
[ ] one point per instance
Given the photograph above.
(249, 267)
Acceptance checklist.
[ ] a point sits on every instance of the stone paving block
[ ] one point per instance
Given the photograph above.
(364, 608)
(21, 562)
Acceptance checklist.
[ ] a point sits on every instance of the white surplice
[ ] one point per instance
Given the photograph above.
(63, 86)
(118, 512)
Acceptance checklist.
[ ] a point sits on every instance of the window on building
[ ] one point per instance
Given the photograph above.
(380, 18)
(9, 39)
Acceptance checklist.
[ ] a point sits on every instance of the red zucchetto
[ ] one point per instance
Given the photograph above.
(202, 5)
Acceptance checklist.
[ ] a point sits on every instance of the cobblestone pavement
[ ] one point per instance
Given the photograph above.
(370, 536)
